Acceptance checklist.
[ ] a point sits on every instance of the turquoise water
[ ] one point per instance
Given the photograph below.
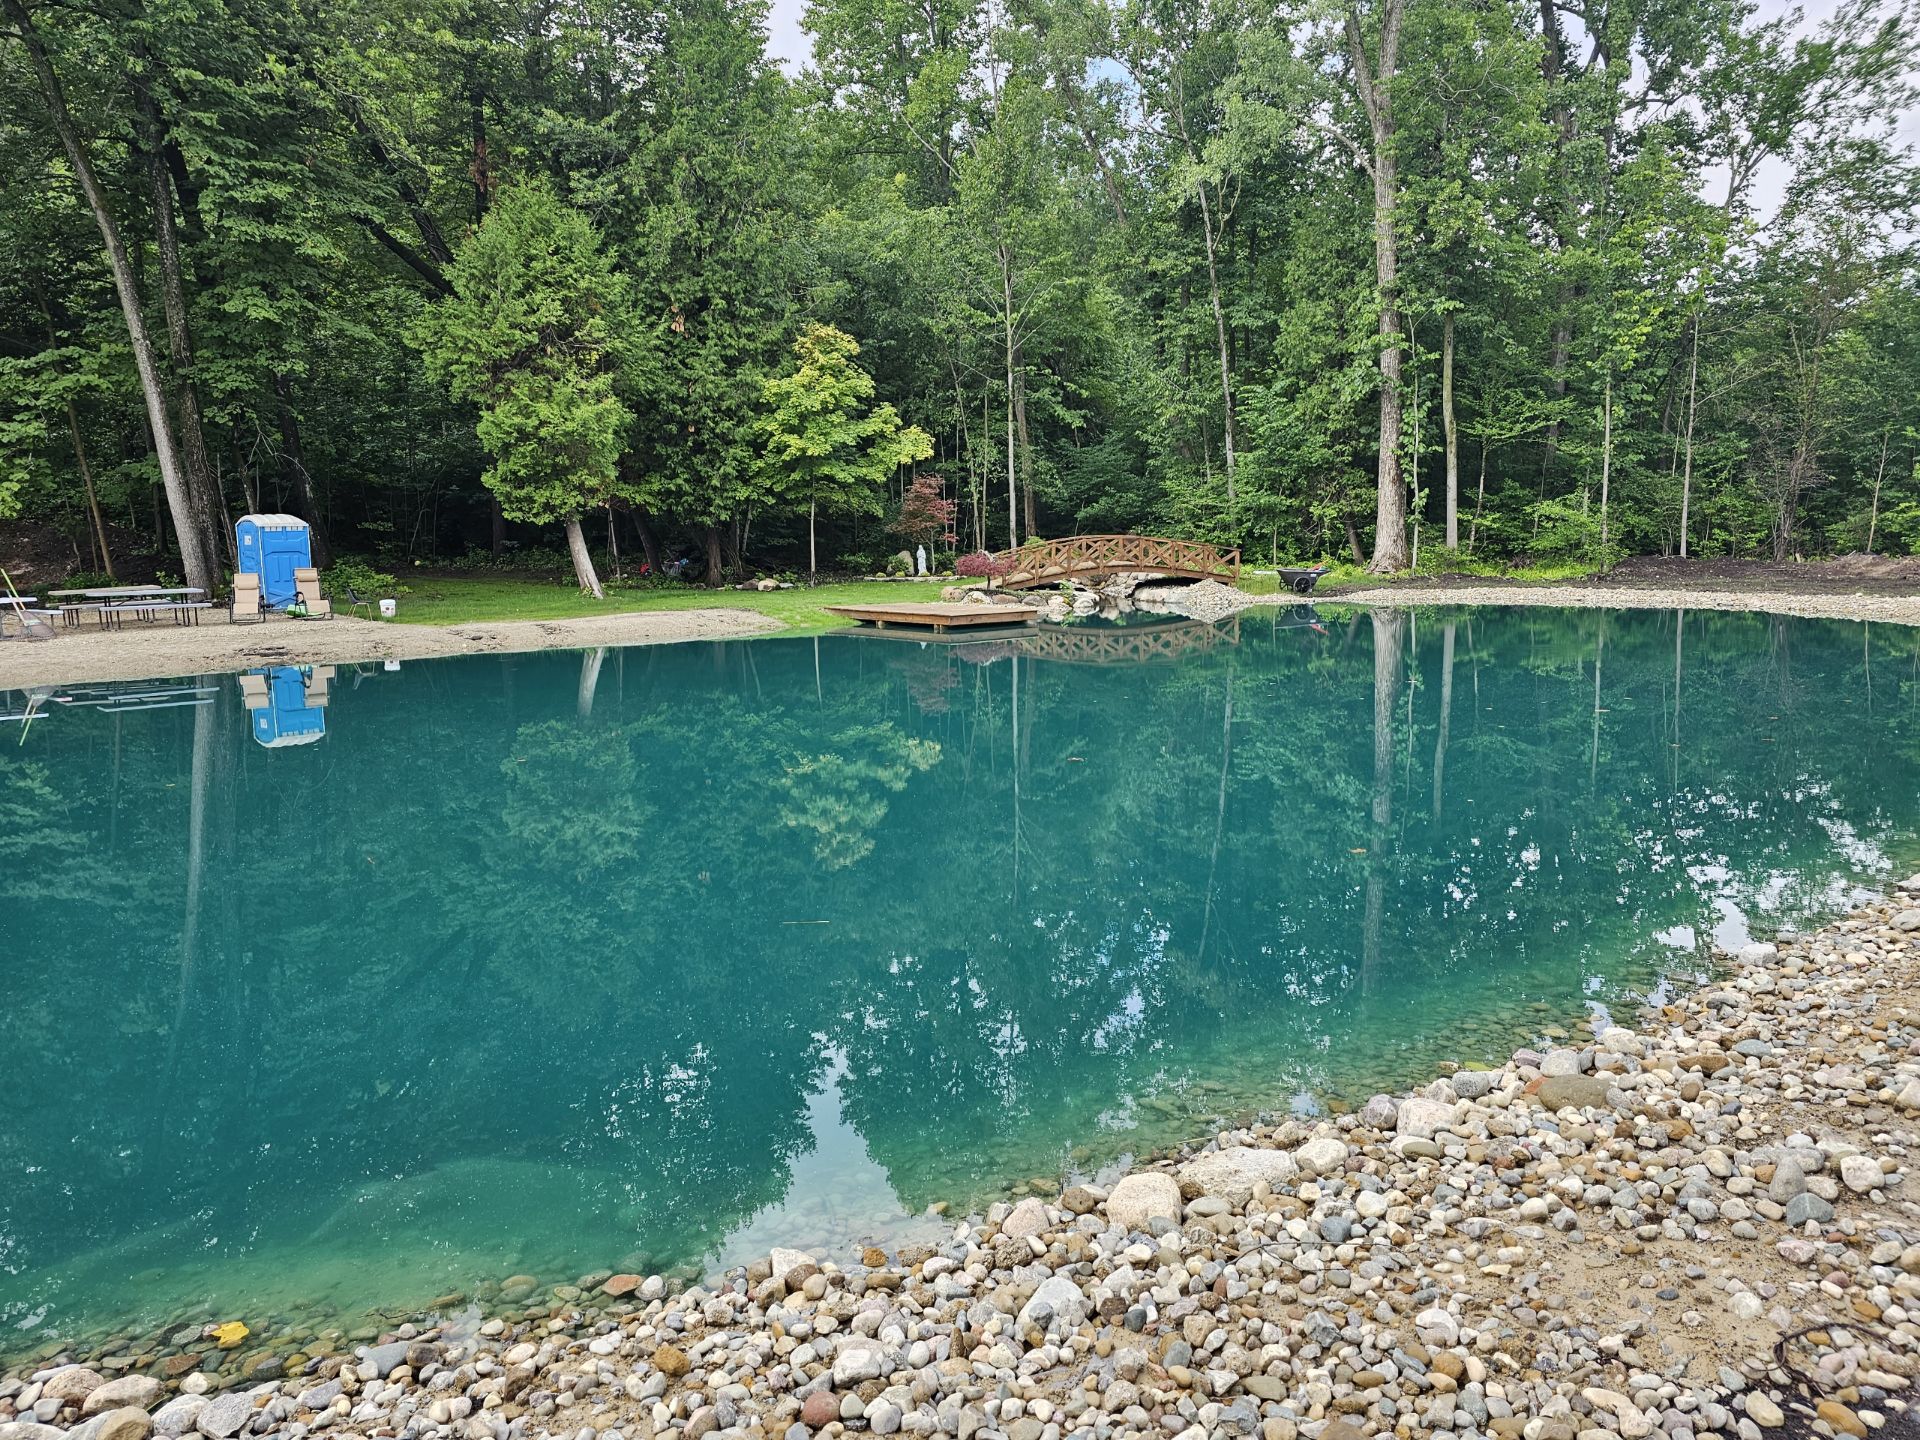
(559, 963)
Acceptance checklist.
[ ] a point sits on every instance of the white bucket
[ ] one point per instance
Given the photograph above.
(387, 607)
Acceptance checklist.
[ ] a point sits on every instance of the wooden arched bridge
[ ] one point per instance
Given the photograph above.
(1092, 558)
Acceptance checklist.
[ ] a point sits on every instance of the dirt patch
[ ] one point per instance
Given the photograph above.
(1885, 605)
(155, 652)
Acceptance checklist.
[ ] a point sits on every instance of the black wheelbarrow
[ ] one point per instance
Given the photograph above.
(1301, 582)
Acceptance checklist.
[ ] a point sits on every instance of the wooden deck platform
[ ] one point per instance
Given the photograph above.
(937, 615)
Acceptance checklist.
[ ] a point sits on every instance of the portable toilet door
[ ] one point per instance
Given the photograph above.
(273, 547)
(282, 710)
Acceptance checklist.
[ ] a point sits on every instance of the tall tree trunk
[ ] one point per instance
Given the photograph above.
(100, 525)
(1606, 462)
(1389, 640)
(1220, 337)
(590, 663)
(1375, 85)
(1006, 289)
(207, 500)
(497, 524)
(582, 561)
(1446, 719)
(649, 542)
(1453, 435)
(1560, 347)
(195, 556)
(1026, 447)
(1479, 499)
(293, 470)
(813, 553)
(716, 566)
(1873, 515)
(1593, 752)
(1686, 472)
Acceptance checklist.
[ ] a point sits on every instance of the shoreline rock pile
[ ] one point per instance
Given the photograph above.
(1703, 1224)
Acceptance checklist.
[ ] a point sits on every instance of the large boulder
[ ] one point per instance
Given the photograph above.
(1137, 1200)
(1322, 1155)
(224, 1417)
(1576, 1092)
(71, 1384)
(129, 1422)
(177, 1416)
(1057, 1304)
(1423, 1119)
(1232, 1174)
(858, 1360)
(1029, 1217)
(141, 1391)
(784, 1262)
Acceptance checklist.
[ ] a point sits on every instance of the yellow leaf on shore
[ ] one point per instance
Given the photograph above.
(230, 1334)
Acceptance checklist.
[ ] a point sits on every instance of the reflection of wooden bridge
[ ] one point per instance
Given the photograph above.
(1123, 644)
(1096, 557)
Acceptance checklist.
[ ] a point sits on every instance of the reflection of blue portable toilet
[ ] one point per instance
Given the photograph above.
(273, 547)
(287, 704)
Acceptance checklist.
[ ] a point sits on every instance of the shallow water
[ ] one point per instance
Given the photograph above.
(633, 959)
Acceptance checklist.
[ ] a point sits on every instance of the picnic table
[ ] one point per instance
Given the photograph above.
(113, 603)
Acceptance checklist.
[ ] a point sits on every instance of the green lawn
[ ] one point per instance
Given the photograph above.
(467, 598)
(457, 600)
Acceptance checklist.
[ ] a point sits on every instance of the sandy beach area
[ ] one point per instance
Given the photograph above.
(153, 652)
(1890, 609)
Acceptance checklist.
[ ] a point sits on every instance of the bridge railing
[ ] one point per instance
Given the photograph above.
(1087, 556)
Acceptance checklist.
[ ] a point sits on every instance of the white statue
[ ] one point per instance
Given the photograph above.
(920, 557)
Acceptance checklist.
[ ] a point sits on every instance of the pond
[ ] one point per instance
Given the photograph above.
(327, 991)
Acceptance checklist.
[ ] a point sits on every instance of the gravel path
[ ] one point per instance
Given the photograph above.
(1705, 1223)
(1893, 609)
(155, 652)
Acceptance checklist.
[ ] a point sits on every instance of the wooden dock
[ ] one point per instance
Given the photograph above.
(937, 615)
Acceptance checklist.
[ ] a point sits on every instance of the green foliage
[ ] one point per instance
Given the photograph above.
(466, 254)
(827, 445)
(526, 337)
(366, 582)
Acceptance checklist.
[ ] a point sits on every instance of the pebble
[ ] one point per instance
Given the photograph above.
(1599, 1241)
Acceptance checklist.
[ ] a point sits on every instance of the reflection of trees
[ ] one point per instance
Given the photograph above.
(608, 929)
(841, 797)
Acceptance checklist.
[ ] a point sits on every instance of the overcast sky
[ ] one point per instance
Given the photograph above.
(793, 47)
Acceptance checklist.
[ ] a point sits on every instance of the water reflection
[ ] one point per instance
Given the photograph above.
(287, 704)
(628, 958)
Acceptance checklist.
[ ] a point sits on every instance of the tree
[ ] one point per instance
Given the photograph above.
(189, 521)
(825, 443)
(527, 336)
(926, 515)
(1374, 73)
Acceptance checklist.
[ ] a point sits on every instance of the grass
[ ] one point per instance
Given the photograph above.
(460, 600)
(466, 599)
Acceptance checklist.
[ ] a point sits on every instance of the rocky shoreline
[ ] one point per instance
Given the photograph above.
(1700, 1224)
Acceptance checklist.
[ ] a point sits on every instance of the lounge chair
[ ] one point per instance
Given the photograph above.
(253, 691)
(306, 581)
(319, 680)
(245, 603)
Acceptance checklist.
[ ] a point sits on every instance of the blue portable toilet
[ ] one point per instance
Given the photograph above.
(273, 547)
(286, 704)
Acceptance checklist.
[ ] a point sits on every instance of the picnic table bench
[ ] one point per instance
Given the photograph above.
(111, 604)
